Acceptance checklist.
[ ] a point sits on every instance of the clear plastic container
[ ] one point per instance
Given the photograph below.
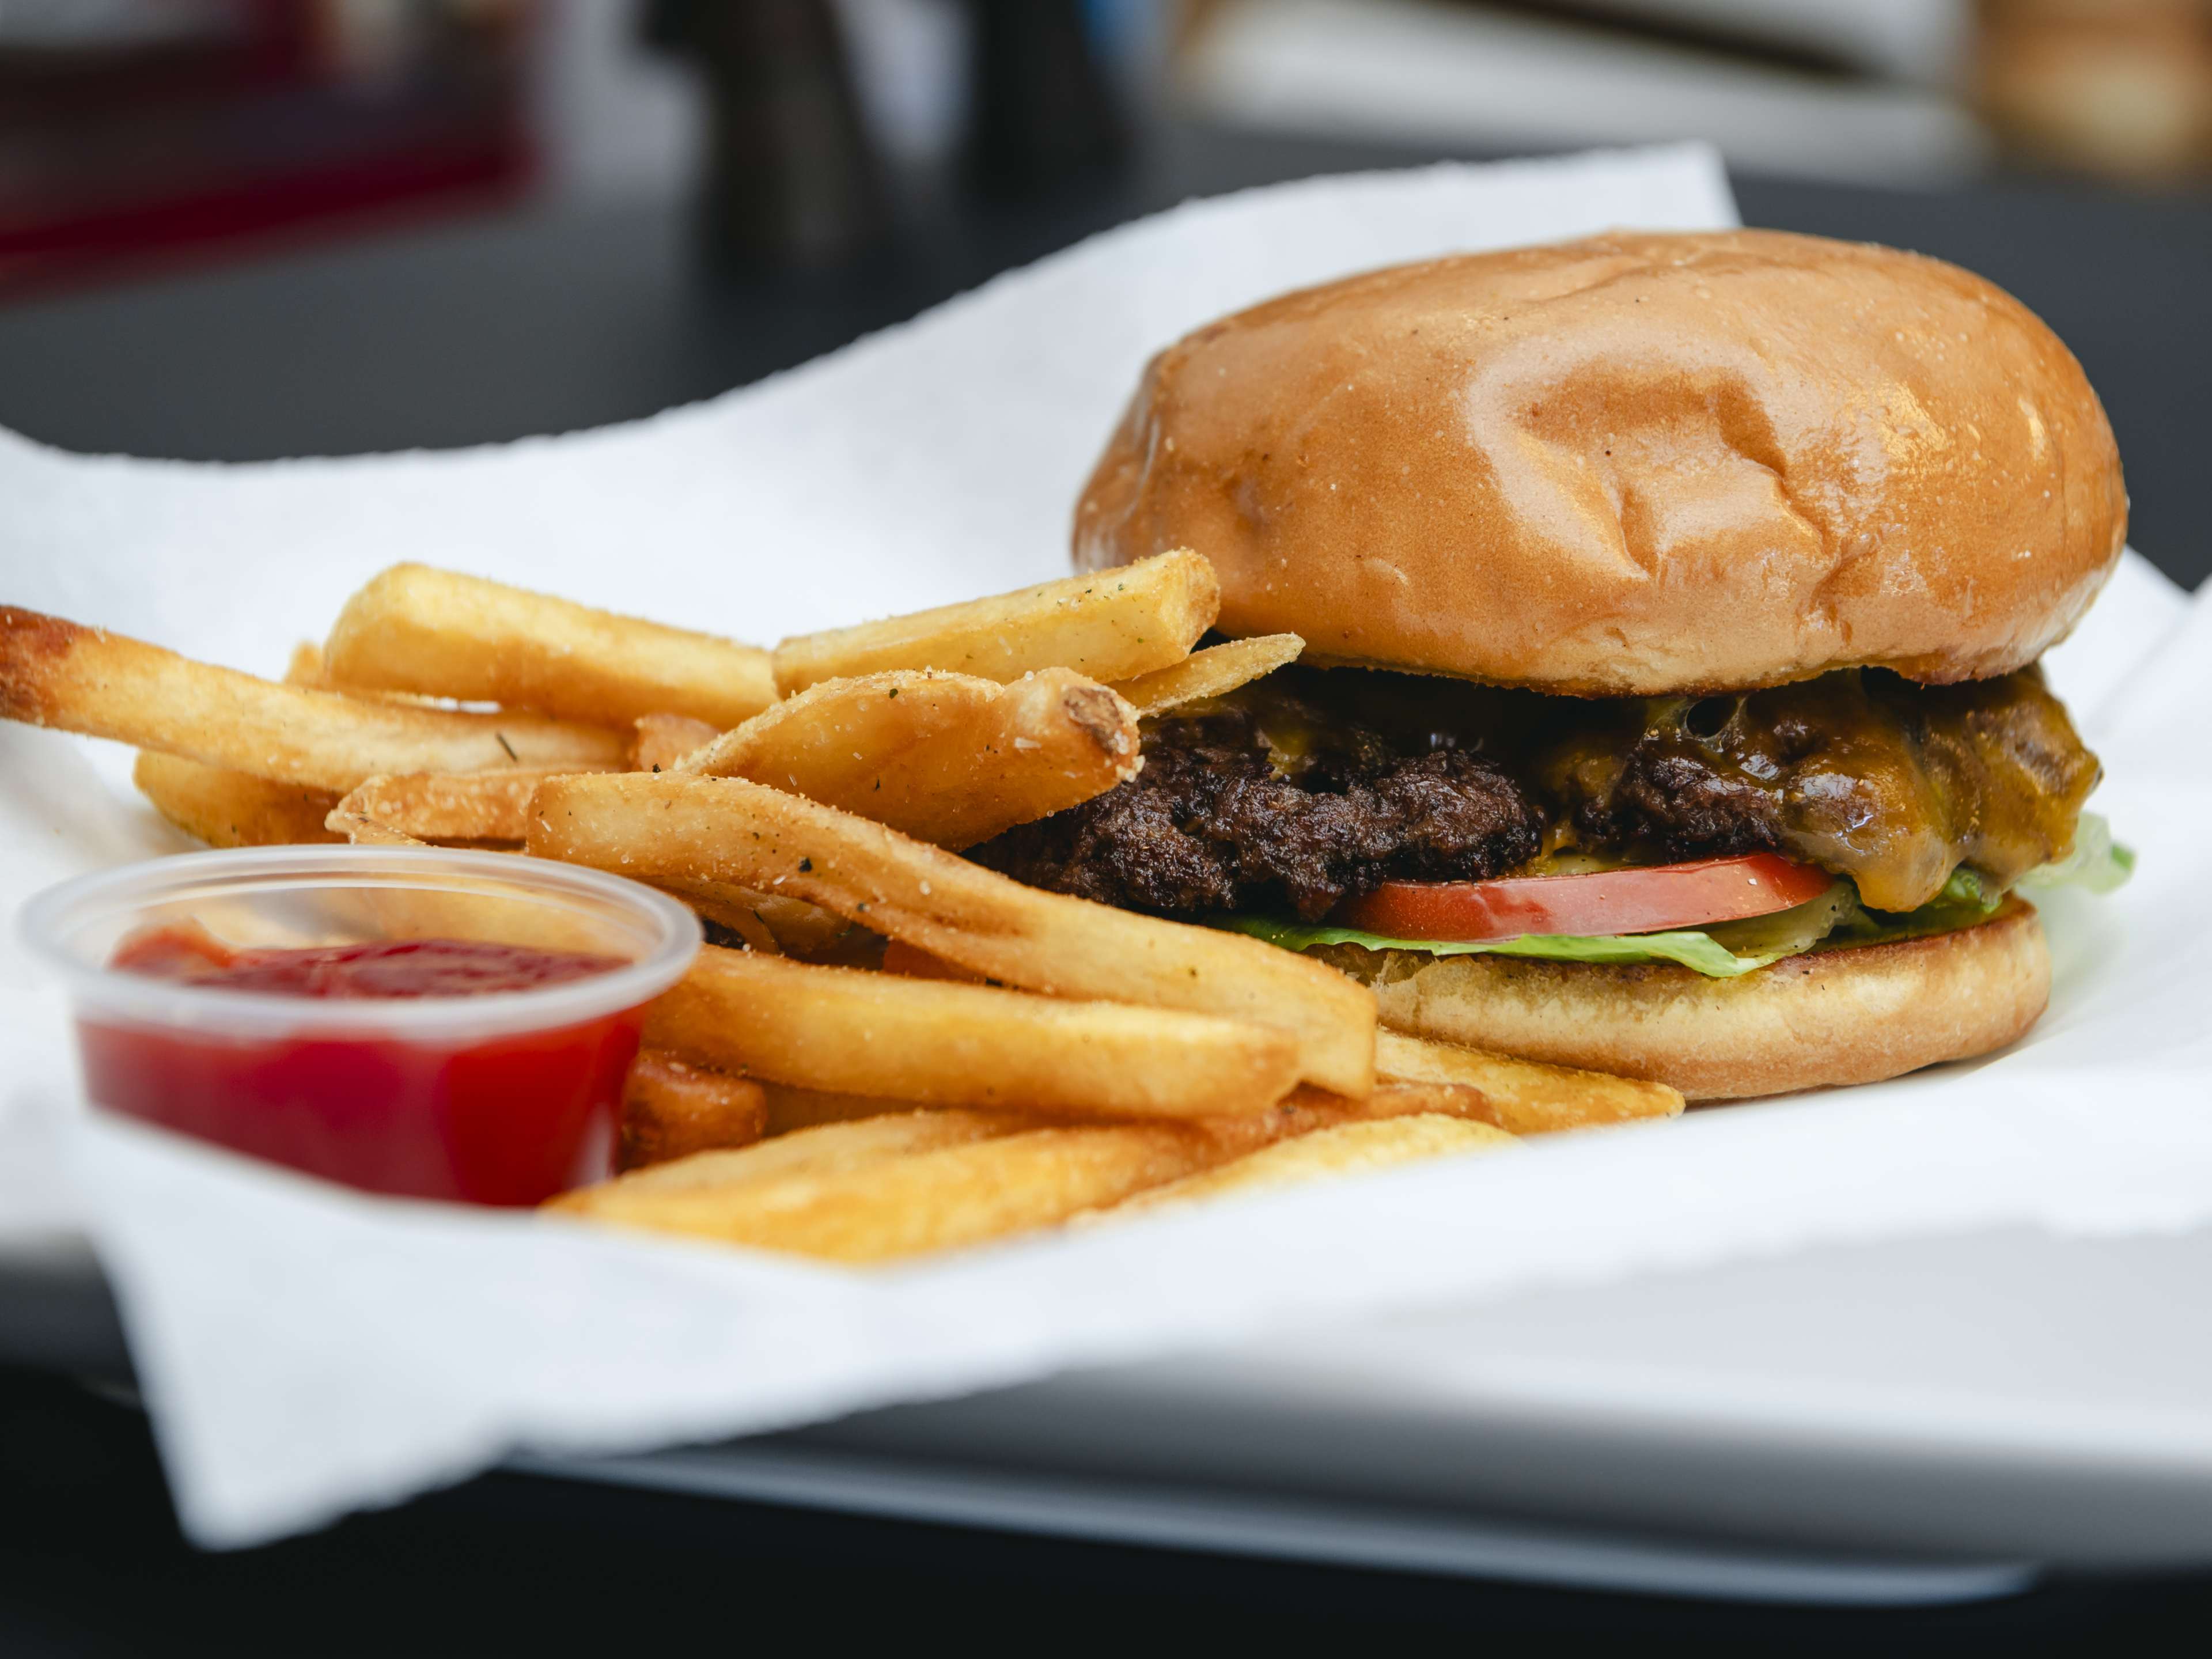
(500, 1097)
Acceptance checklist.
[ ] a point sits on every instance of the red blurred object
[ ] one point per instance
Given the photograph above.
(171, 128)
(507, 1120)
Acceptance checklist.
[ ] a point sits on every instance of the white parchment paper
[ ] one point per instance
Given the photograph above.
(305, 1350)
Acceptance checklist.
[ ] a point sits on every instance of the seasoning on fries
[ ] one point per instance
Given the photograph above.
(663, 741)
(946, 758)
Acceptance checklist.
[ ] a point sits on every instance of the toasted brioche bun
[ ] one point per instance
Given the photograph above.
(1808, 1022)
(1634, 464)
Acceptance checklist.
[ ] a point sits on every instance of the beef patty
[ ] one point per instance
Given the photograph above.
(1860, 772)
(1315, 785)
(1230, 814)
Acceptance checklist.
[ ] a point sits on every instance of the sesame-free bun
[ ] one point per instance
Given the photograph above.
(1637, 464)
(1828, 1018)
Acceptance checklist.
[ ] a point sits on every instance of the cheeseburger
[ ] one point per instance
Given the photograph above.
(1672, 606)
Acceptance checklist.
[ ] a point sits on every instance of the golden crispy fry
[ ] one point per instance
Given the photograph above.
(1112, 626)
(1342, 1149)
(452, 805)
(671, 1110)
(681, 828)
(229, 808)
(225, 808)
(441, 633)
(968, 1194)
(833, 1149)
(82, 679)
(1526, 1097)
(946, 758)
(848, 1031)
(1212, 673)
(662, 740)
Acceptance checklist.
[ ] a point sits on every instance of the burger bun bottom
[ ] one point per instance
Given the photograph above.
(1808, 1022)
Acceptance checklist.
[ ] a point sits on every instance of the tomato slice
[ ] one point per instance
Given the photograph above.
(1603, 902)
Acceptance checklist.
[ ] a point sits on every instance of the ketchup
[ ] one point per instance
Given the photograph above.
(381, 968)
(510, 1119)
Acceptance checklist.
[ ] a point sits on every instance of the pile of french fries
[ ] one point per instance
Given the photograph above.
(892, 1049)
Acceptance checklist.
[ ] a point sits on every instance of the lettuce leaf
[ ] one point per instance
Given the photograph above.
(1965, 890)
(2098, 862)
(1690, 948)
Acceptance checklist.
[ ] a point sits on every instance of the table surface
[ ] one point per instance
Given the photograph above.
(549, 319)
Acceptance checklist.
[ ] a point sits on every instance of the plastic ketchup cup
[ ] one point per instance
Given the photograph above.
(503, 1095)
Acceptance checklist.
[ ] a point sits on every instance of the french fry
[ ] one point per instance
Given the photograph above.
(1300, 1112)
(790, 1109)
(225, 808)
(427, 912)
(769, 921)
(831, 1150)
(1526, 1097)
(305, 665)
(681, 828)
(442, 634)
(450, 806)
(1114, 625)
(305, 668)
(56, 673)
(900, 958)
(1212, 673)
(848, 1031)
(729, 908)
(946, 758)
(662, 740)
(961, 1194)
(363, 831)
(671, 1110)
(1306, 1108)
(1342, 1149)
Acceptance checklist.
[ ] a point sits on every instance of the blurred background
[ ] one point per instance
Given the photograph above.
(240, 229)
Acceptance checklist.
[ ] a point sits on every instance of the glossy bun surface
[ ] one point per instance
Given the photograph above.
(1637, 464)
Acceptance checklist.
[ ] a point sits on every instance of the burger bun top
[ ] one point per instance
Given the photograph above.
(1634, 464)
